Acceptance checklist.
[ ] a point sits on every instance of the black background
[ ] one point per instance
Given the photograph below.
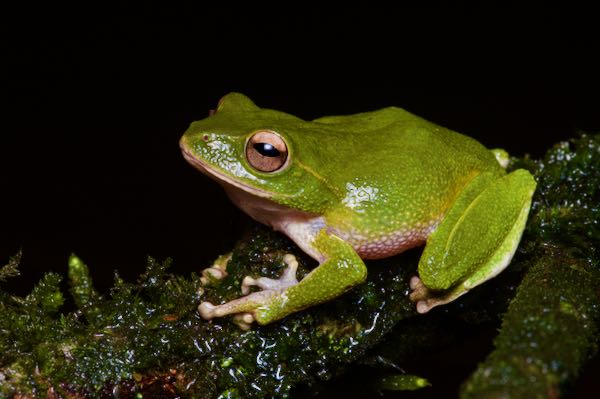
(97, 98)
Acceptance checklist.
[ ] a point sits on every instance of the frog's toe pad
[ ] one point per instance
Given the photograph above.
(207, 310)
(287, 279)
(217, 271)
(212, 273)
(244, 320)
(420, 294)
(415, 283)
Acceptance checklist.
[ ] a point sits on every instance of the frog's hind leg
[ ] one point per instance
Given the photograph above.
(476, 240)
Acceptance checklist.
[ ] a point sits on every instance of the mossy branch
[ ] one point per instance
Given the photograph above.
(552, 326)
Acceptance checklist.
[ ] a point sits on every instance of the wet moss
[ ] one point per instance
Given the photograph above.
(150, 330)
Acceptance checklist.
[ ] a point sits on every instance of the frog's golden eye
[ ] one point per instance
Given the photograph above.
(266, 151)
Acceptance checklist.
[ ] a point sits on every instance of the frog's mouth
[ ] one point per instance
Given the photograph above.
(220, 176)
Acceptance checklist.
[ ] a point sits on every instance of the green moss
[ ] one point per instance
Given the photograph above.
(152, 328)
(11, 269)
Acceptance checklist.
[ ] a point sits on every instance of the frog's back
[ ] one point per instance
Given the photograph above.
(397, 144)
(402, 175)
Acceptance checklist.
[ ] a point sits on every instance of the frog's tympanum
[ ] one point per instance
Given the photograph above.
(363, 186)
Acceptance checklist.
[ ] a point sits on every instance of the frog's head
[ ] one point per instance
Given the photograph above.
(256, 151)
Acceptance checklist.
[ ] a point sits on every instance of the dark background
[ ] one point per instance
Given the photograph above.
(97, 98)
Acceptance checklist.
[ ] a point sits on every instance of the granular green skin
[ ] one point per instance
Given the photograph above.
(147, 337)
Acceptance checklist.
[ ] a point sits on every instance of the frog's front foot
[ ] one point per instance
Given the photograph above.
(287, 279)
(246, 307)
(217, 271)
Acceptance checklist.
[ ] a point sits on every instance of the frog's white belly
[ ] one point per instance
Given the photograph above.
(377, 246)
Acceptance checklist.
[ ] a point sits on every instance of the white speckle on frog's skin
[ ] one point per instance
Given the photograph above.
(357, 196)
(220, 146)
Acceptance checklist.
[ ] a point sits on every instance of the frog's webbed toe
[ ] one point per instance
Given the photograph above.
(244, 308)
(287, 279)
(427, 299)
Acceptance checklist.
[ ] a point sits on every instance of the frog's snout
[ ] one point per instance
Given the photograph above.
(185, 149)
(183, 143)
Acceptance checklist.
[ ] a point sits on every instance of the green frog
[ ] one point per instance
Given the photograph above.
(365, 186)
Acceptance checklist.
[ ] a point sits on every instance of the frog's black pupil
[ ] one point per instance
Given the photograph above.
(266, 150)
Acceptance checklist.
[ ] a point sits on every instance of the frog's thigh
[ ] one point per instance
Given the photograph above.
(476, 240)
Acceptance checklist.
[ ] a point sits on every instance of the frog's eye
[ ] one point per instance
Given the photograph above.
(266, 151)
